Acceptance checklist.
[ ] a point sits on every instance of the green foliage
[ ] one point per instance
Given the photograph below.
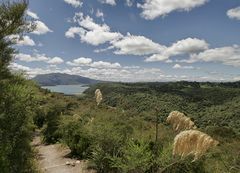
(110, 133)
(17, 96)
(185, 166)
(208, 104)
(77, 138)
(221, 133)
(17, 107)
(12, 21)
(50, 131)
(136, 158)
(40, 118)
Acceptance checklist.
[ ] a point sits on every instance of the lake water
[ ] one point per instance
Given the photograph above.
(67, 89)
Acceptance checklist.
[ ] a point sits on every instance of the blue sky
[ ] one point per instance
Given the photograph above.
(133, 40)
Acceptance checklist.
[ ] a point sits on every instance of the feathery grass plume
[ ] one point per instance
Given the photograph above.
(192, 142)
(98, 96)
(180, 122)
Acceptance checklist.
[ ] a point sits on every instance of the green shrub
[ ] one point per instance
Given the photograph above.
(136, 157)
(185, 166)
(51, 130)
(17, 107)
(110, 134)
(77, 138)
(40, 118)
(221, 132)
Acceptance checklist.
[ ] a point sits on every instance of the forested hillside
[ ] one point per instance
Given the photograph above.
(120, 134)
(209, 104)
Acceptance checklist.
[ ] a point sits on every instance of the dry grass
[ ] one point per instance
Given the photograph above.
(98, 96)
(180, 122)
(192, 142)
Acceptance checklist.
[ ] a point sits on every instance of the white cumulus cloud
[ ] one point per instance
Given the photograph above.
(178, 66)
(55, 60)
(110, 2)
(88, 62)
(74, 3)
(32, 14)
(103, 64)
(41, 28)
(136, 45)
(38, 58)
(100, 14)
(155, 8)
(82, 61)
(185, 46)
(91, 32)
(226, 55)
(189, 45)
(22, 41)
(156, 57)
(29, 58)
(16, 66)
(72, 31)
(234, 13)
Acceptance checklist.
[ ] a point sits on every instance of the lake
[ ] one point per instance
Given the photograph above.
(67, 89)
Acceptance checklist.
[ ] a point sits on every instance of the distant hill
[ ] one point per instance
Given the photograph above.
(52, 79)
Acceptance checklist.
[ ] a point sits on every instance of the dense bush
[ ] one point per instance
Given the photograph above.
(77, 138)
(17, 107)
(221, 132)
(17, 96)
(51, 130)
(110, 134)
(136, 157)
(185, 166)
(40, 118)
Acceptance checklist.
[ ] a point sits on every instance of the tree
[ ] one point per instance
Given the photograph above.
(17, 102)
(12, 21)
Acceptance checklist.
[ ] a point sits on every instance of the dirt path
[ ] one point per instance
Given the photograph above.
(53, 159)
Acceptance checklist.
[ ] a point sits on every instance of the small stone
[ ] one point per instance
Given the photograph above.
(77, 162)
(68, 163)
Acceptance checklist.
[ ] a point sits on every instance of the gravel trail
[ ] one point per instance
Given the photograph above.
(53, 158)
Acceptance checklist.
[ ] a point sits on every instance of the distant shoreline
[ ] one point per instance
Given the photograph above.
(84, 85)
(67, 89)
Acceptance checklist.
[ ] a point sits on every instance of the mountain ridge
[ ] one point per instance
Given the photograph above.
(53, 79)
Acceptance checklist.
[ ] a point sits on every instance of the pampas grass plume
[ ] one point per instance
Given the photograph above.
(192, 142)
(180, 122)
(98, 96)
